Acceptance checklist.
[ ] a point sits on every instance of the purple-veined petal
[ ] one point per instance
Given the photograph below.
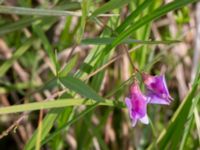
(137, 105)
(157, 89)
(128, 103)
(155, 99)
(165, 86)
(132, 115)
(129, 106)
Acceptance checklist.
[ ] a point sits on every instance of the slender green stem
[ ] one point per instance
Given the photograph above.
(43, 12)
(59, 103)
(154, 134)
(39, 131)
(38, 12)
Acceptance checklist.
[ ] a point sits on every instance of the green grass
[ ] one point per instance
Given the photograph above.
(59, 103)
(73, 56)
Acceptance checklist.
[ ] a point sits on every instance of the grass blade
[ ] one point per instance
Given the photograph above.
(59, 103)
(132, 16)
(36, 12)
(16, 25)
(80, 87)
(109, 6)
(47, 124)
(106, 41)
(69, 66)
(85, 9)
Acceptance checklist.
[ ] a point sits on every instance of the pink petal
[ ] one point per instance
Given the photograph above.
(145, 119)
(128, 103)
(134, 121)
(154, 99)
(129, 106)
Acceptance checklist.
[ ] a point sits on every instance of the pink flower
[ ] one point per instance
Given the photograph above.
(137, 105)
(157, 91)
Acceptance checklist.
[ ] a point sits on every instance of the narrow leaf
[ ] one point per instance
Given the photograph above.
(106, 41)
(36, 12)
(80, 87)
(59, 103)
(109, 6)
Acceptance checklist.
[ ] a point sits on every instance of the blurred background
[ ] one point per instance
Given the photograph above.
(41, 40)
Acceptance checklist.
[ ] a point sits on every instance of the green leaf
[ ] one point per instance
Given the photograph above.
(186, 132)
(85, 9)
(20, 24)
(59, 103)
(80, 87)
(106, 41)
(36, 12)
(69, 66)
(132, 16)
(109, 6)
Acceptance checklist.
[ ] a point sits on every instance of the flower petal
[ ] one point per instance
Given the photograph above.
(129, 106)
(128, 103)
(133, 122)
(145, 119)
(157, 89)
(165, 84)
(156, 99)
(137, 104)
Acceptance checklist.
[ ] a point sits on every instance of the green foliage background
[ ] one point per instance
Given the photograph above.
(68, 59)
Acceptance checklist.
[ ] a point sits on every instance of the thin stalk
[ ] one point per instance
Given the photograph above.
(135, 69)
(154, 134)
(39, 131)
(43, 12)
